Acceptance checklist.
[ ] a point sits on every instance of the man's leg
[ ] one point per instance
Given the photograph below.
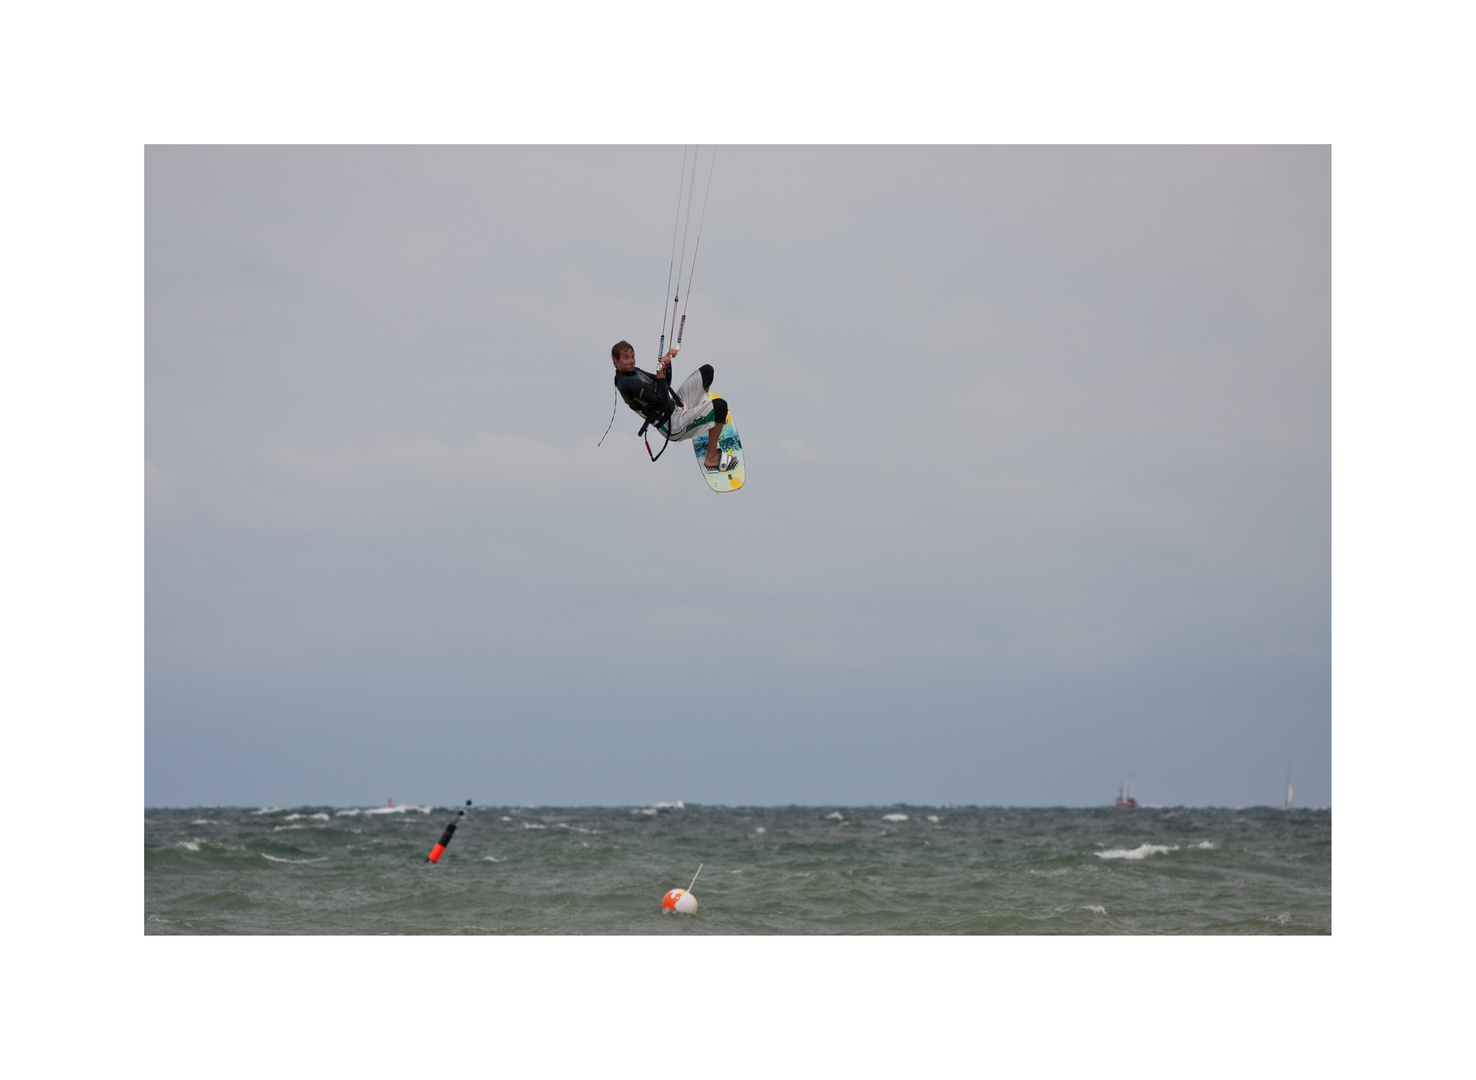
(693, 391)
(715, 433)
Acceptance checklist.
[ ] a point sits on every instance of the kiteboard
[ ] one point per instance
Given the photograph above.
(728, 476)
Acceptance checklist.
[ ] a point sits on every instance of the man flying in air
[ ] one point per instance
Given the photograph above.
(679, 415)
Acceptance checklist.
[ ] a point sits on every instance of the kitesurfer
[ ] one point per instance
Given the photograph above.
(679, 415)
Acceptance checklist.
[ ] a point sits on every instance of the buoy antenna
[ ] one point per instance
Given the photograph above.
(694, 876)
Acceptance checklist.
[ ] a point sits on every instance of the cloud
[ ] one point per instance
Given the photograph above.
(1085, 392)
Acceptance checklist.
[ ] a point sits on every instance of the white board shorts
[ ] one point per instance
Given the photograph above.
(694, 416)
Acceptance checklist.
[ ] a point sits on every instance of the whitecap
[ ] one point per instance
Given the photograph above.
(894, 817)
(649, 810)
(760, 829)
(678, 805)
(268, 810)
(348, 813)
(321, 817)
(292, 817)
(506, 818)
(834, 815)
(1098, 908)
(283, 828)
(1140, 852)
(296, 862)
(189, 845)
(1205, 845)
(204, 821)
(933, 817)
(405, 809)
(489, 858)
(533, 825)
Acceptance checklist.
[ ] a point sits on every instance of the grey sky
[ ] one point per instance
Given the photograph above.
(1039, 468)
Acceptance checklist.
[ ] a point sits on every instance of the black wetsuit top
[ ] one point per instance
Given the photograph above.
(646, 394)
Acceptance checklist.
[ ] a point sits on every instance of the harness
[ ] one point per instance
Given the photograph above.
(655, 401)
(647, 438)
(662, 425)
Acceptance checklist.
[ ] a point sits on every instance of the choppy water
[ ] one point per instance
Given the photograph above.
(789, 870)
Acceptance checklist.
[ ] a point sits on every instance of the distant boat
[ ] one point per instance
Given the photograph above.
(1288, 804)
(1125, 799)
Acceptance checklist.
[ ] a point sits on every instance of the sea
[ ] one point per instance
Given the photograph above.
(794, 870)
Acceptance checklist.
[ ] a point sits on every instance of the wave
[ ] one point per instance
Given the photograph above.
(1142, 851)
(894, 817)
(298, 862)
(209, 847)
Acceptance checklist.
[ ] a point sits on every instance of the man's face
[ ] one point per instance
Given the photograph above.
(626, 361)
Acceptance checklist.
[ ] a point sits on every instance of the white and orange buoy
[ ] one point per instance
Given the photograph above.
(682, 900)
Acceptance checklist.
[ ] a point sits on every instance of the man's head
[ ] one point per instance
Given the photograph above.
(623, 356)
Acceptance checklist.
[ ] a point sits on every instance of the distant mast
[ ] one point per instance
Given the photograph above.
(1288, 804)
(1125, 798)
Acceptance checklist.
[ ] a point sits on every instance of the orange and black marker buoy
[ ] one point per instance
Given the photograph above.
(435, 852)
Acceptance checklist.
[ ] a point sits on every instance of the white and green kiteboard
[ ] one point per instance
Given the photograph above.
(728, 476)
